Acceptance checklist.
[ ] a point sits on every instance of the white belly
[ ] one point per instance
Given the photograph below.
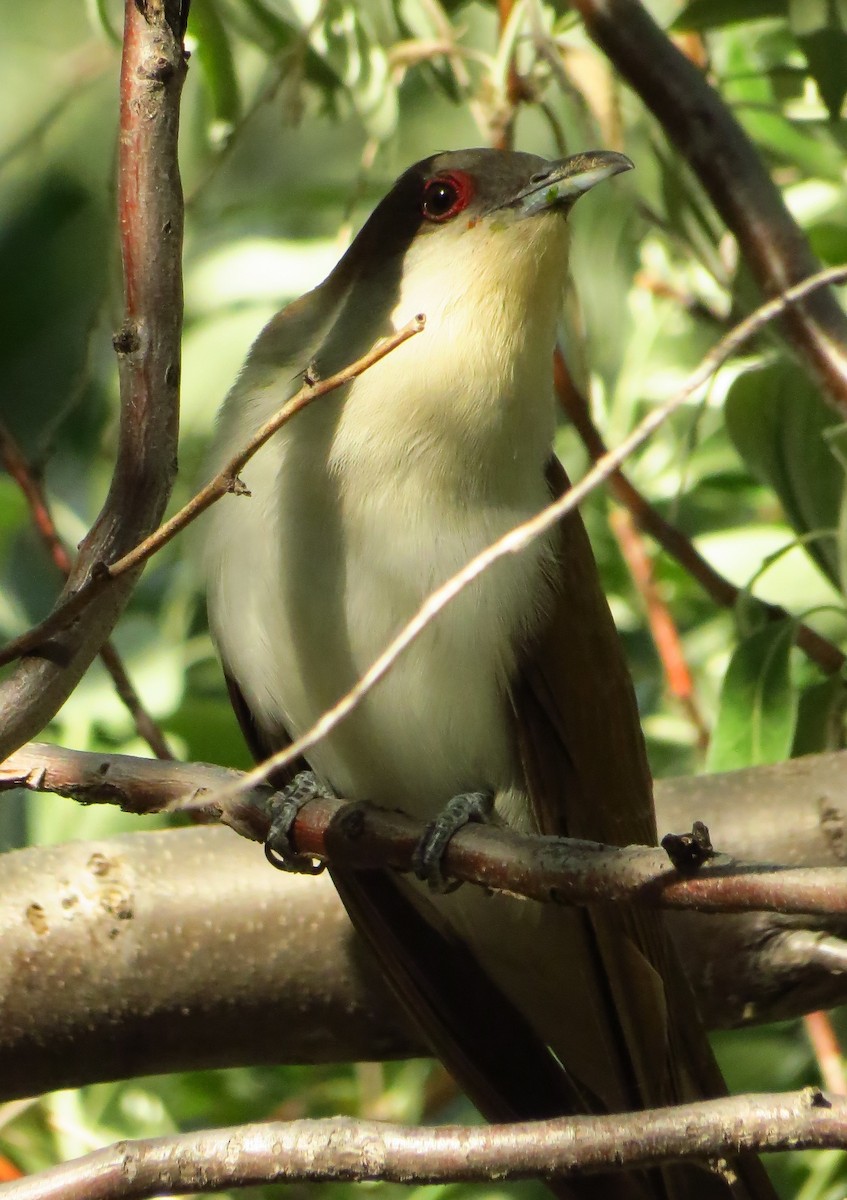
(301, 615)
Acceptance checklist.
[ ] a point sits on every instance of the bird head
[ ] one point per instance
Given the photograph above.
(466, 229)
(482, 205)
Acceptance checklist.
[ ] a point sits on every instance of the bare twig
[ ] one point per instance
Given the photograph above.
(342, 1149)
(224, 482)
(17, 465)
(818, 648)
(150, 210)
(728, 166)
(522, 535)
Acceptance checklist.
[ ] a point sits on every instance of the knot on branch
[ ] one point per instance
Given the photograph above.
(688, 851)
(126, 340)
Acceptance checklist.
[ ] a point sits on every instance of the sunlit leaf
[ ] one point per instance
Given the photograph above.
(700, 15)
(214, 53)
(826, 54)
(819, 717)
(779, 425)
(758, 703)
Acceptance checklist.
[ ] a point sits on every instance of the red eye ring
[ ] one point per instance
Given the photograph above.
(445, 196)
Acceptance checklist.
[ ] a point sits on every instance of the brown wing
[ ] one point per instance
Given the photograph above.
(481, 1036)
(583, 755)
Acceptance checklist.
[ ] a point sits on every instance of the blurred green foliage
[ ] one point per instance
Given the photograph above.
(297, 116)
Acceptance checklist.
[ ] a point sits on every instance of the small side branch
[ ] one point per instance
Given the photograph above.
(672, 540)
(20, 469)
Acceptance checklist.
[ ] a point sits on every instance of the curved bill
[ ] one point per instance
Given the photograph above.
(566, 180)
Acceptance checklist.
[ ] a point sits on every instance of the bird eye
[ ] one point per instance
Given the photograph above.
(446, 195)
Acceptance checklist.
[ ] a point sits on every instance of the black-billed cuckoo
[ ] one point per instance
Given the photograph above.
(516, 703)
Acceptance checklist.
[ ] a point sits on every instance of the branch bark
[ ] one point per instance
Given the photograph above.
(15, 462)
(148, 345)
(347, 1150)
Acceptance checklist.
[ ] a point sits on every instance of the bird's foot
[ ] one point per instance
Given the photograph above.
(284, 807)
(429, 852)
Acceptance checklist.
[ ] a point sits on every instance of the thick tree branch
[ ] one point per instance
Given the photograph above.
(707, 135)
(103, 917)
(347, 1150)
(148, 345)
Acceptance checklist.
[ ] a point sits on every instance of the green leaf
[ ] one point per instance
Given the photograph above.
(784, 432)
(700, 15)
(808, 16)
(819, 717)
(758, 703)
(214, 54)
(826, 54)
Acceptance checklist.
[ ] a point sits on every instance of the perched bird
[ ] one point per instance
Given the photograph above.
(515, 705)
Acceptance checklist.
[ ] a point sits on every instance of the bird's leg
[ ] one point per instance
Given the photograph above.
(284, 806)
(429, 852)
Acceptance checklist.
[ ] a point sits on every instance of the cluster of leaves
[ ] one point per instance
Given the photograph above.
(296, 121)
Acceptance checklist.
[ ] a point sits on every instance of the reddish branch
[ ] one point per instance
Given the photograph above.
(707, 135)
(663, 629)
(827, 1051)
(352, 1151)
(101, 915)
(20, 469)
(148, 345)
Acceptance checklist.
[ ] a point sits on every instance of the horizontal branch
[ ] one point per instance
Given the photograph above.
(566, 870)
(101, 915)
(342, 1149)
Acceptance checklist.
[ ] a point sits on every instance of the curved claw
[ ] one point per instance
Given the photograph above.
(285, 806)
(429, 852)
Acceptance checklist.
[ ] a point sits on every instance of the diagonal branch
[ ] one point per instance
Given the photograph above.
(729, 168)
(817, 648)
